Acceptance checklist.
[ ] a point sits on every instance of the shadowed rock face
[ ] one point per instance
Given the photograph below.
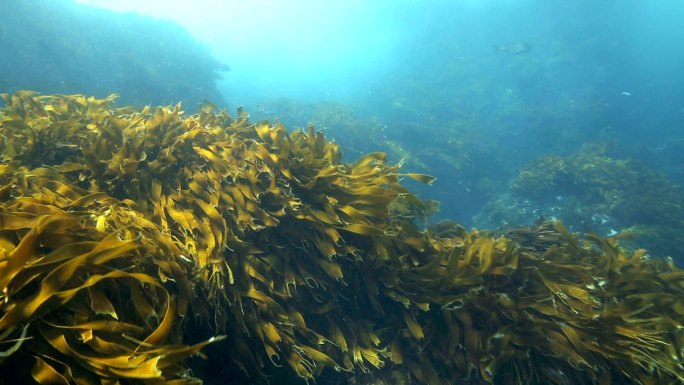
(62, 47)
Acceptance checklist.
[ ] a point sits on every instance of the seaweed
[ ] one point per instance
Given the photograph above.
(131, 239)
(623, 193)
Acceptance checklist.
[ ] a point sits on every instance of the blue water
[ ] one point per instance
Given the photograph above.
(469, 91)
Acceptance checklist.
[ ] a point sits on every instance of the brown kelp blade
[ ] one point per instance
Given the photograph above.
(123, 232)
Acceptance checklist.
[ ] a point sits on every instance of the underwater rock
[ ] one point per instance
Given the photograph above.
(591, 191)
(60, 46)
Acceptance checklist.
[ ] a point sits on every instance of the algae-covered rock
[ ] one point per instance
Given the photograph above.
(593, 191)
(59, 46)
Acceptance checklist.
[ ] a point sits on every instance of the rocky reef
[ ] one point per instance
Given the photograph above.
(62, 47)
(594, 191)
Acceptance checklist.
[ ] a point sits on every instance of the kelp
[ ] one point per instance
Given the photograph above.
(543, 306)
(591, 188)
(254, 216)
(87, 299)
(122, 230)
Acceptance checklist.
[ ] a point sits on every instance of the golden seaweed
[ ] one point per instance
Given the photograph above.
(122, 229)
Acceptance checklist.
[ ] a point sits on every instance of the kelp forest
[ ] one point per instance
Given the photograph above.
(151, 246)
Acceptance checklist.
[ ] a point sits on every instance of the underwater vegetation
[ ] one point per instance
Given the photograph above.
(132, 239)
(58, 46)
(466, 163)
(359, 136)
(591, 190)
